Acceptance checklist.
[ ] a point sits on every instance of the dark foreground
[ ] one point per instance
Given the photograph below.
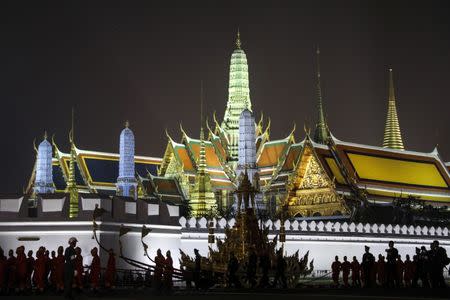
(304, 293)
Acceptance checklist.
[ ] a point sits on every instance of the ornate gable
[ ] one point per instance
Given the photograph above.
(310, 191)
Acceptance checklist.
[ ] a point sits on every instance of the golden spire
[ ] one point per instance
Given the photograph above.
(127, 124)
(238, 40)
(72, 183)
(320, 134)
(392, 134)
(202, 152)
(45, 134)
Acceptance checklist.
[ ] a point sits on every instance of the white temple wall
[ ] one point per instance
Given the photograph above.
(323, 241)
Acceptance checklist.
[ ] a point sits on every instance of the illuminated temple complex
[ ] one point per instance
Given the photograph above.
(316, 175)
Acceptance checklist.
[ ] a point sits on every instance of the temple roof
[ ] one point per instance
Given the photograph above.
(95, 171)
(164, 188)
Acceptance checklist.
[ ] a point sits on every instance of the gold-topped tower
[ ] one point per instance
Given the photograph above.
(72, 183)
(392, 134)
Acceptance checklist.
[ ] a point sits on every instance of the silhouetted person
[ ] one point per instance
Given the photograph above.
(53, 269)
(40, 270)
(95, 269)
(11, 263)
(356, 269)
(110, 273)
(400, 268)
(232, 268)
(30, 268)
(159, 268)
(264, 264)
(78, 280)
(345, 267)
(69, 267)
(280, 272)
(47, 265)
(59, 269)
(197, 269)
(368, 265)
(381, 270)
(21, 268)
(425, 262)
(410, 269)
(3, 271)
(335, 270)
(251, 267)
(168, 271)
(391, 268)
(438, 260)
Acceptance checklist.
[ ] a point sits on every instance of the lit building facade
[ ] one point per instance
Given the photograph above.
(319, 175)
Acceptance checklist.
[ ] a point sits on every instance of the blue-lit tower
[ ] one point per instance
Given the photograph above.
(246, 145)
(126, 182)
(43, 183)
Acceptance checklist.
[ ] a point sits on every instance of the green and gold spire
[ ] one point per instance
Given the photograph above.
(202, 196)
(392, 134)
(238, 99)
(321, 131)
(72, 183)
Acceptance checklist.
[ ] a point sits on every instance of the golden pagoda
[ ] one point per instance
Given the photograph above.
(392, 135)
(202, 196)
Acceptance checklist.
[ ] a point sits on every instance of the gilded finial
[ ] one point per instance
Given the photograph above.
(238, 40)
(127, 124)
(34, 146)
(45, 134)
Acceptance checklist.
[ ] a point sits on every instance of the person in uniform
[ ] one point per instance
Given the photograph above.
(335, 270)
(3, 271)
(159, 269)
(197, 269)
(346, 267)
(391, 268)
(367, 264)
(53, 270)
(438, 261)
(400, 268)
(380, 267)
(11, 263)
(409, 267)
(59, 270)
(78, 280)
(355, 267)
(168, 271)
(110, 273)
(95, 269)
(39, 270)
(21, 268)
(69, 267)
(30, 268)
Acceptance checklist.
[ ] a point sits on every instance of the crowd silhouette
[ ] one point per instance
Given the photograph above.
(426, 269)
(63, 270)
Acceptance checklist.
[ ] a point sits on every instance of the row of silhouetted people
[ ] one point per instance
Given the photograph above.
(60, 270)
(426, 266)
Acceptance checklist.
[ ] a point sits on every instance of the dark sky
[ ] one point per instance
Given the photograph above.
(144, 63)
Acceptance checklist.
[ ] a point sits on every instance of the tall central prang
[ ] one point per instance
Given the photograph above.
(238, 100)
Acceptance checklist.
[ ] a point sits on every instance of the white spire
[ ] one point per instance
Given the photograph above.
(126, 182)
(44, 171)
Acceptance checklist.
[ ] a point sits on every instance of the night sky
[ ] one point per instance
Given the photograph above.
(144, 63)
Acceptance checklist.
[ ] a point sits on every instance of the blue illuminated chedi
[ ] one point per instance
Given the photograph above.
(126, 182)
(247, 147)
(44, 177)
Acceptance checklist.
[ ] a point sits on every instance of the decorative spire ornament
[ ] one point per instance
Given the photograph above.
(238, 100)
(321, 132)
(392, 134)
